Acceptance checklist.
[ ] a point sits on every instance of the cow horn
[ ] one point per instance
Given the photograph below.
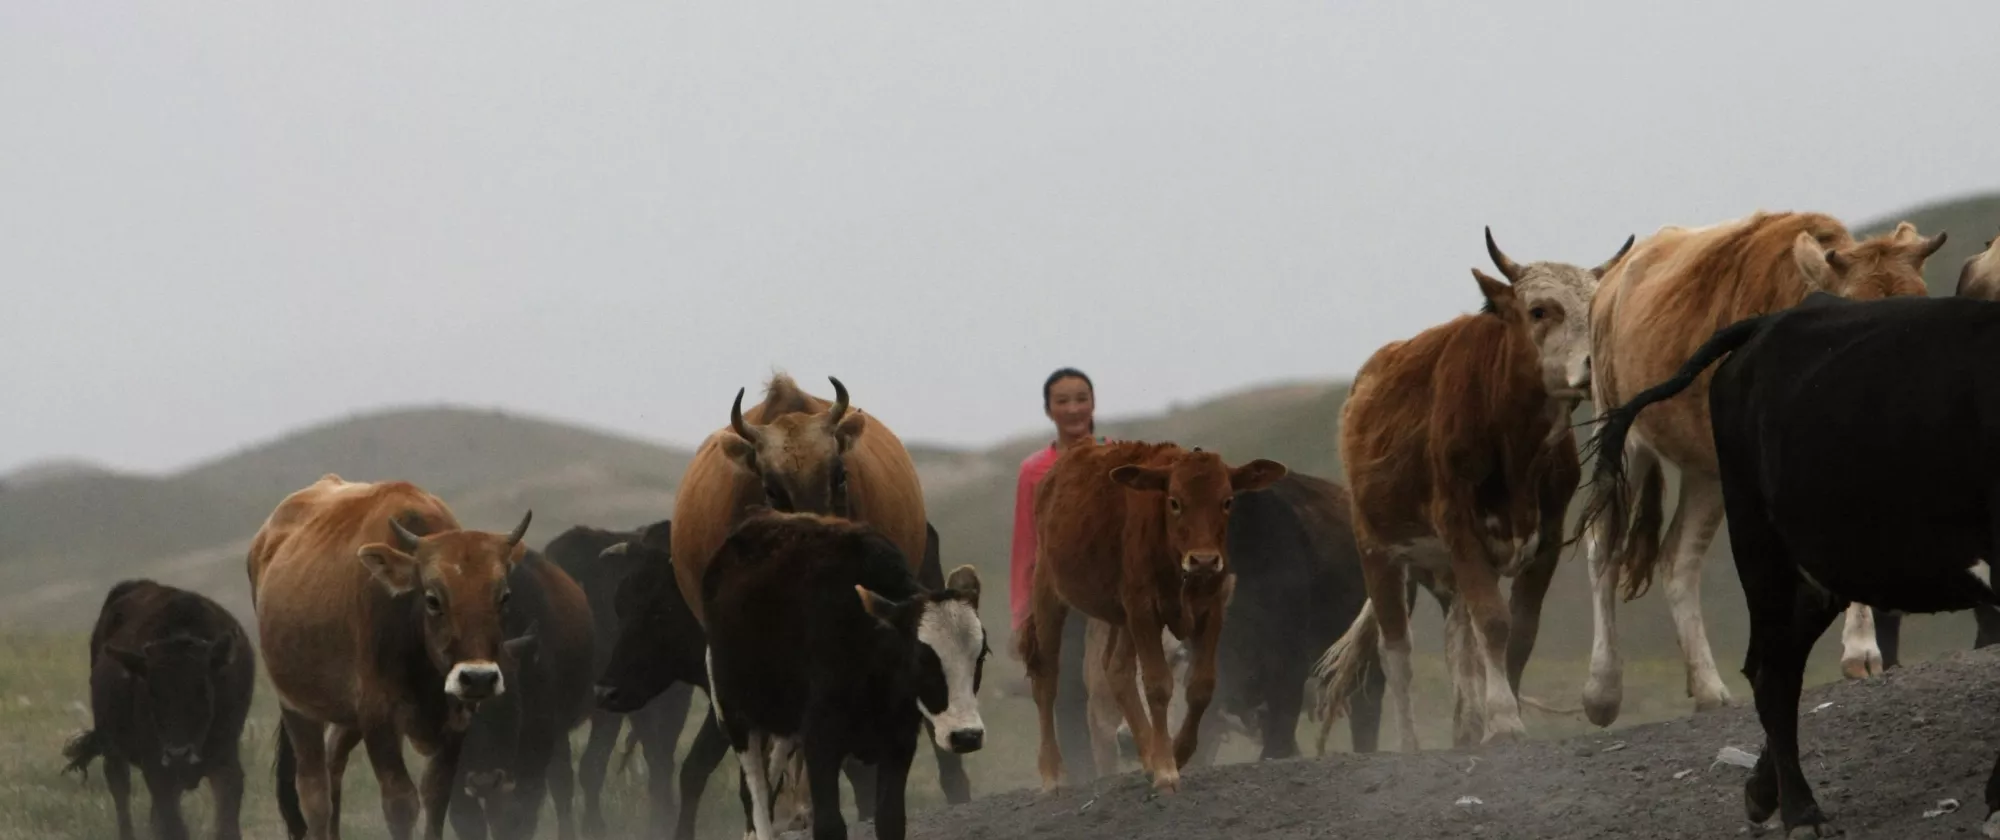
(1932, 245)
(520, 530)
(839, 409)
(405, 540)
(742, 429)
(1507, 267)
(1599, 271)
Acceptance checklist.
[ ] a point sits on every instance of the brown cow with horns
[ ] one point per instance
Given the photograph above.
(380, 619)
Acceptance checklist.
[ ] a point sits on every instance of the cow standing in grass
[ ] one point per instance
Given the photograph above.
(1461, 464)
(1653, 309)
(1135, 534)
(821, 641)
(170, 680)
(1855, 449)
(380, 621)
(599, 562)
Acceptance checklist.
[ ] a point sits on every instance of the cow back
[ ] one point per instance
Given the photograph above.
(1087, 525)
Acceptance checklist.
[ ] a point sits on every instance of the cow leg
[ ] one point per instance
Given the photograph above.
(1201, 677)
(823, 766)
(1044, 669)
(758, 782)
(308, 738)
(1688, 538)
(1525, 602)
(1383, 577)
(1778, 679)
(592, 766)
(340, 744)
(165, 792)
(1073, 703)
(561, 783)
(399, 794)
(118, 779)
(704, 755)
(1364, 712)
(1477, 589)
(439, 774)
(1104, 713)
(1282, 682)
(891, 810)
(1860, 656)
(1604, 691)
(1122, 672)
(1467, 675)
(471, 815)
(225, 785)
(861, 777)
(1889, 637)
(1988, 619)
(1144, 629)
(659, 725)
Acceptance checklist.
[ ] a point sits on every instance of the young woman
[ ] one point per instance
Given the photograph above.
(1070, 402)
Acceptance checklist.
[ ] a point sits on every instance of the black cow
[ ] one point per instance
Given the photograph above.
(659, 647)
(821, 640)
(516, 749)
(1889, 632)
(599, 561)
(170, 679)
(1298, 587)
(1855, 445)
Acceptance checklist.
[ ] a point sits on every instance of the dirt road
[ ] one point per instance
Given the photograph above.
(1881, 755)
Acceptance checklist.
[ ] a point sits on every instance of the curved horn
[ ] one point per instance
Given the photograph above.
(742, 429)
(1507, 267)
(1599, 271)
(520, 530)
(839, 409)
(1932, 245)
(405, 540)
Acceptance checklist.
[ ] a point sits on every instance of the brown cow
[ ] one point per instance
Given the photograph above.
(1461, 464)
(1135, 534)
(1980, 276)
(1668, 296)
(380, 618)
(795, 453)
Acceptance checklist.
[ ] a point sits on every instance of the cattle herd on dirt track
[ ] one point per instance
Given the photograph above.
(1792, 374)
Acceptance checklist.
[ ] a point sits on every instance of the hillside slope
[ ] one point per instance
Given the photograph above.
(1970, 221)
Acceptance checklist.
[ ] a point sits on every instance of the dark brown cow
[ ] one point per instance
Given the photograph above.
(794, 453)
(170, 679)
(1461, 464)
(380, 620)
(1135, 534)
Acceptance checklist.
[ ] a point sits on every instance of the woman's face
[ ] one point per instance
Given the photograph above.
(1070, 407)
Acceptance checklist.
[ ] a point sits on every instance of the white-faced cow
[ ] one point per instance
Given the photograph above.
(380, 621)
(1653, 309)
(820, 640)
(1822, 413)
(170, 680)
(1461, 464)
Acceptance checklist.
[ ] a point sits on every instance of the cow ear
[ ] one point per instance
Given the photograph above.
(888, 612)
(396, 571)
(132, 661)
(1256, 475)
(1499, 294)
(221, 652)
(964, 580)
(850, 429)
(1141, 478)
(741, 451)
(1814, 262)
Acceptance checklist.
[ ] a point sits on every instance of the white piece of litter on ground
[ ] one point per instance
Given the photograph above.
(1732, 755)
(1469, 801)
(1683, 774)
(1822, 707)
(1944, 806)
(1615, 746)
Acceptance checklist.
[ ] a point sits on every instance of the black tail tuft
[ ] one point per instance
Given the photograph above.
(81, 750)
(288, 787)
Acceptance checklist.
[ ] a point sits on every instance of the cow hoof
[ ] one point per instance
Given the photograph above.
(1991, 828)
(1167, 781)
(1710, 704)
(1811, 832)
(1600, 704)
(1759, 802)
(1050, 783)
(1861, 667)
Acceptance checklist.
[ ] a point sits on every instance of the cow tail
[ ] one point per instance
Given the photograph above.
(81, 750)
(288, 788)
(1341, 671)
(1609, 489)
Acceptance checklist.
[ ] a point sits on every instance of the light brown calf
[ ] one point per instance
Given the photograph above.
(1980, 276)
(1135, 534)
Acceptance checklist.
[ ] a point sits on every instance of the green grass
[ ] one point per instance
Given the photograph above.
(44, 700)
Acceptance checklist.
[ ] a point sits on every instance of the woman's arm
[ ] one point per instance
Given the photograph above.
(1021, 567)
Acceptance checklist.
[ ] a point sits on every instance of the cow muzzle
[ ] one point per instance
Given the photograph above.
(475, 681)
(1201, 563)
(966, 740)
(169, 756)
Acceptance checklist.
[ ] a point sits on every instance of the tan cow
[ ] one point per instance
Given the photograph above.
(1668, 296)
(1461, 464)
(1980, 276)
(794, 453)
(379, 619)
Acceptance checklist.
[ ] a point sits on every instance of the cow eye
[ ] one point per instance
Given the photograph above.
(1227, 502)
(505, 596)
(433, 604)
(1174, 505)
(1538, 313)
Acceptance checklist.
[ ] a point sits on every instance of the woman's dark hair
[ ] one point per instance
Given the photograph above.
(1067, 373)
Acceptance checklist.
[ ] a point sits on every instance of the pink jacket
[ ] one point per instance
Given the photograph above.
(1020, 584)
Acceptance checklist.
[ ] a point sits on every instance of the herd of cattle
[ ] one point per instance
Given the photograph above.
(800, 585)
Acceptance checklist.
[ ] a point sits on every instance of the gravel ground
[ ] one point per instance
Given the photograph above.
(1884, 752)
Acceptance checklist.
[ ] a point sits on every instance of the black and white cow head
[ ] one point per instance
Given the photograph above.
(951, 655)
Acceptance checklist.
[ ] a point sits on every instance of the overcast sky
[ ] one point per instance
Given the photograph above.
(220, 222)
